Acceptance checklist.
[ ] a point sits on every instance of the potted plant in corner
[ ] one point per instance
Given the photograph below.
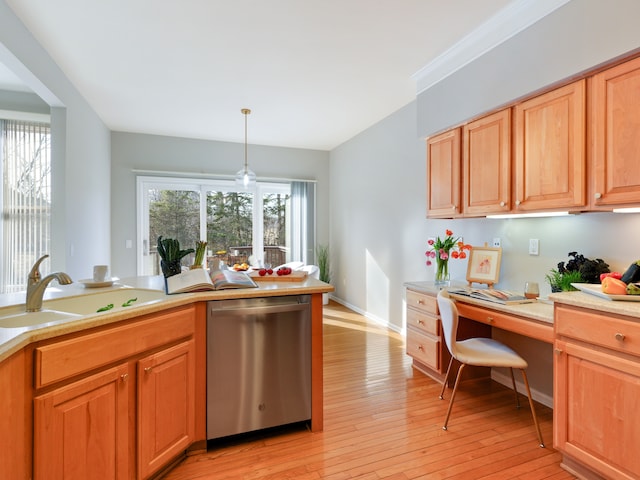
(322, 254)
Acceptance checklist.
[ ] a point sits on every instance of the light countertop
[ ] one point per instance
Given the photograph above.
(13, 339)
(542, 310)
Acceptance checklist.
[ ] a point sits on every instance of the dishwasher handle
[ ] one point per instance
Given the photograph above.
(261, 309)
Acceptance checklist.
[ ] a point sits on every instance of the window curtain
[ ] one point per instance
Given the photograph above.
(25, 196)
(303, 237)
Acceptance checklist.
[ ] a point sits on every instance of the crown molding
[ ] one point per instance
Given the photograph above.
(501, 27)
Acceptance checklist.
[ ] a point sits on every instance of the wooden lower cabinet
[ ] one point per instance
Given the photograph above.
(166, 406)
(81, 429)
(597, 393)
(424, 335)
(116, 402)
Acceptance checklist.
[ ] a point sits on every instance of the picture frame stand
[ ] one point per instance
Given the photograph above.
(484, 265)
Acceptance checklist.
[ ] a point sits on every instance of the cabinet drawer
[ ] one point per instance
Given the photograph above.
(423, 322)
(67, 358)
(424, 348)
(423, 302)
(601, 329)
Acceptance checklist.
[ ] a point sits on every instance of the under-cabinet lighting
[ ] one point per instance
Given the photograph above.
(529, 215)
(627, 210)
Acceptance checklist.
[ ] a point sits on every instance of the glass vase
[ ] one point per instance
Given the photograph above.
(442, 272)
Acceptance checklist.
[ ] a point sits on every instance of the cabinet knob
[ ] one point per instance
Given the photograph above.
(619, 337)
(421, 348)
(420, 322)
(518, 202)
(148, 369)
(557, 351)
(502, 204)
(420, 302)
(124, 377)
(454, 207)
(490, 319)
(597, 195)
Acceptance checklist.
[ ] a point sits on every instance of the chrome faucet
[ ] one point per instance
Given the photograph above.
(36, 286)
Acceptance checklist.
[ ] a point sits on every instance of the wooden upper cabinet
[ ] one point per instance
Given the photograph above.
(550, 159)
(615, 138)
(486, 160)
(443, 174)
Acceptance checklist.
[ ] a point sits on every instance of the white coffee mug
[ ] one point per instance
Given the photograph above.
(100, 273)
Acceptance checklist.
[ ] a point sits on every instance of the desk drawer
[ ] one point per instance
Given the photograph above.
(422, 302)
(513, 323)
(609, 331)
(423, 322)
(424, 348)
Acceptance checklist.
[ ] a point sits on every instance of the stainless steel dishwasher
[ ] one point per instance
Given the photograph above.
(258, 363)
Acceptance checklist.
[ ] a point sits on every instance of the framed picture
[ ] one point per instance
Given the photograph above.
(484, 265)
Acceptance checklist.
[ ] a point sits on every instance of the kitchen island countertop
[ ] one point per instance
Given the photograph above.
(13, 339)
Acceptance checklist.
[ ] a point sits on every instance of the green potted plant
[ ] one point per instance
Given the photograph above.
(322, 255)
(578, 269)
(561, 282)
(171, 256)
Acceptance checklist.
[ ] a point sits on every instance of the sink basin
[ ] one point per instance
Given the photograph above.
(91, 302)
(29, 319)
(71, 308)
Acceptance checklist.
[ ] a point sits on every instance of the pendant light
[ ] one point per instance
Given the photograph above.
(245, 178)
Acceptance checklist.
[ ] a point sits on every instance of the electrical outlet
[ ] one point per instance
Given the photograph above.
(534, 246)
(496, 243)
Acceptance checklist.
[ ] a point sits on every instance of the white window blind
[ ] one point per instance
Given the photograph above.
(25, 168)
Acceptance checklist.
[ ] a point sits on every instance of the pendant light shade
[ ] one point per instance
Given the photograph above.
(245, 178)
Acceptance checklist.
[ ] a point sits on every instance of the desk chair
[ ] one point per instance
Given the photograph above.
(481, 352)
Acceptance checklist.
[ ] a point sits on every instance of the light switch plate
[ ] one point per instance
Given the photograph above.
(534, 246)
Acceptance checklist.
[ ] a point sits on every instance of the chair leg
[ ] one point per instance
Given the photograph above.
(446, 379)
(515, 390)
(453, 395)
(533, 410)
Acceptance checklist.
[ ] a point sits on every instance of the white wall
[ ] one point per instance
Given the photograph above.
(170, 154)
(80, 154)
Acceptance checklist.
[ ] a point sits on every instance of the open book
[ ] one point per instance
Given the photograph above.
(492, 295)
(199, 279)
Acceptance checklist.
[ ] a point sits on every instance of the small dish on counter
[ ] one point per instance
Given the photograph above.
(90, 283)
(595, 289)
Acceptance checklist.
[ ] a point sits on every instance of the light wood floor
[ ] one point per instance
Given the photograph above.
(382, 419)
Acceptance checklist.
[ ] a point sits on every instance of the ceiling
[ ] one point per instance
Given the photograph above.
(314, 73)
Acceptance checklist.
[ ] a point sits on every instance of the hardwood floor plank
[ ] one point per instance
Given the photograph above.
(383, 420)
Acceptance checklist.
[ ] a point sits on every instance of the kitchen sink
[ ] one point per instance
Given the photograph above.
(71, 308)
(118, 299)
(29, 319)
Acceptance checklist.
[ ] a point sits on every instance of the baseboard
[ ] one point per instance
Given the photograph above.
(380, 321)
(538, 396)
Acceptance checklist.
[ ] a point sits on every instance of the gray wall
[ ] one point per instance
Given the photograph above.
(80, 154)
(379, 228)
(132, 151)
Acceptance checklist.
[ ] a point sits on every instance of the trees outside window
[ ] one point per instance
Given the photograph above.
(236, 225)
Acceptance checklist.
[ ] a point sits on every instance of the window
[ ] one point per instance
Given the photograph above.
(25, 197)
(236, 225)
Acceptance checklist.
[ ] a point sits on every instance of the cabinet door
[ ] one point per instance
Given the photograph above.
(486, 160)
(166, 406)
(80, 430)
(615, 122)
(596, 404)
(443, 174)
(550, 161)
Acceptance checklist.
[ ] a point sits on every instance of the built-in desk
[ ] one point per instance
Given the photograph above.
(425, 343)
